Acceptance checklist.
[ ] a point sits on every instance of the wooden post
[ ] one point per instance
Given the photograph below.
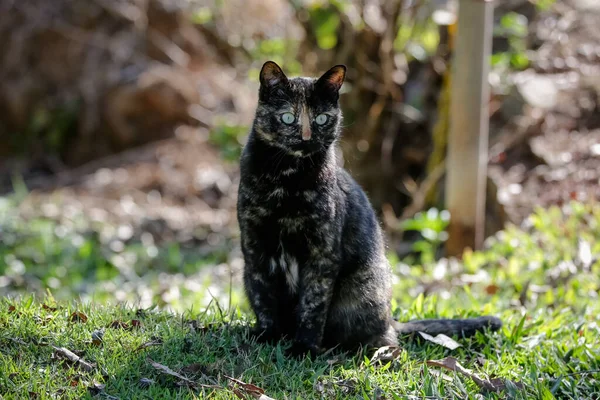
(468, 136)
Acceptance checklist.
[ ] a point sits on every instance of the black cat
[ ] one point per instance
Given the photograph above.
(315, 265)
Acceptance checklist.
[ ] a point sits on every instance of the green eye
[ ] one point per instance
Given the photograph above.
(288, 118)
(321, 119)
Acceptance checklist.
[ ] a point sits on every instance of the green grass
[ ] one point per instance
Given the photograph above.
(542, 280)
(75, 257)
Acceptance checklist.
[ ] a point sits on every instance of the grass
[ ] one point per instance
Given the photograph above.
(541, 279)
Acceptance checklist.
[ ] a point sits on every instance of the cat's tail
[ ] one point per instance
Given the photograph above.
(449, 327)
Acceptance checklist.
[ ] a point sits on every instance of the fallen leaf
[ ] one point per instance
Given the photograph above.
(194, 369)
(11, 308)
(136, 323)
(444, 376)
(238, 393)
(74, 380)
(481, 361)
(119, 325)
(97, 337)
(448, 363)
(49, 308)
(166, 370)
(151, 343)
(492, 289)
(249, 389)
(96, 388)
(490, 385)
(183, 380)
(386, 354)
(66, 354)
(442, 340)
(146, 383)
(78, 316)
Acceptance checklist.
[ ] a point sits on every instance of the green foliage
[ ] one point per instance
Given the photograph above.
(49, 129)
(542, 280)
(229, 140)
(75, 257)
(325, 20)
(417, 38)
(432, 227)
(543, 5)
(513, 27)
(202, 16)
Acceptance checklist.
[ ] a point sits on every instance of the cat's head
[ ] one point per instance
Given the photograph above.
(299, 115)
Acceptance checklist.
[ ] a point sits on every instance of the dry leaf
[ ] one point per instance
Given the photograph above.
(249, 389)
(136, 323)
(492, 289)
(490, 385)
(194, 369)
(166, 370)
(74, 380)
(66, 354)
(146, 383)
(442, 340)
(78, 316)
(49, 308)
(238, 393)
(119, 325)
(444, 376)
(190, 383)
(97, 336)
(386, 354)
(96, 388)
(151, 343)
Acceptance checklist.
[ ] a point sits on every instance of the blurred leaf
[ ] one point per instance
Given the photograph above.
(202, 16)
(519, 61)
(514, 24)
(325, 22)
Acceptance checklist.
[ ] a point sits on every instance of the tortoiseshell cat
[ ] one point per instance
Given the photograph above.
(315, 266)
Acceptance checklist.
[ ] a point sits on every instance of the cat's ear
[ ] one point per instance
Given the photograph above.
(271, 74)
(334, 78)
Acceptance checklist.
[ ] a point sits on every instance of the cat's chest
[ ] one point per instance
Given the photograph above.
(287, 208)
(287, 264)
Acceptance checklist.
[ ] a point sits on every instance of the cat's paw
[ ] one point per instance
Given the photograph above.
(300, 350)
(264, 335)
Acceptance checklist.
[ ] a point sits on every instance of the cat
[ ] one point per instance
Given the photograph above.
(315, 266)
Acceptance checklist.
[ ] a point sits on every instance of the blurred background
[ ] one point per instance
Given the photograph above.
(121, 122)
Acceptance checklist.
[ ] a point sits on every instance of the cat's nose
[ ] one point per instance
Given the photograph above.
(306, 133)
(305, 121)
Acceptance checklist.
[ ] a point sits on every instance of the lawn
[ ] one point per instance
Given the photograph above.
(542, 279)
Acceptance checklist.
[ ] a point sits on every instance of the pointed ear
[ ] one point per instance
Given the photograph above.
(271, 74)
(334, 78)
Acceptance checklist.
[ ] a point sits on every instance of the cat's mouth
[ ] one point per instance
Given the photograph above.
(307, 148)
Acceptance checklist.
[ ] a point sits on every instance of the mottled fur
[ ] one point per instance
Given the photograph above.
(315, 265)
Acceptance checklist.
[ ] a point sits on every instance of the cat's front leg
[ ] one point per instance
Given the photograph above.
(316, 290)
(264, 303)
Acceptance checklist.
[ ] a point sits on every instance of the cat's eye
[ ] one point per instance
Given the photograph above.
(288, 118)
(321, 119)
